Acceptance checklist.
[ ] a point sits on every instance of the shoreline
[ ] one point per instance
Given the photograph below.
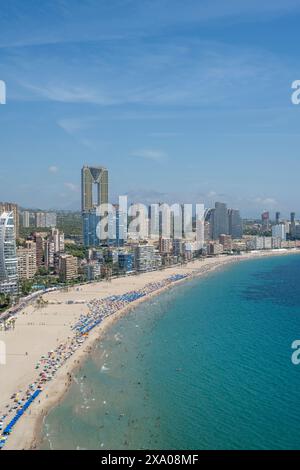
(27, 433)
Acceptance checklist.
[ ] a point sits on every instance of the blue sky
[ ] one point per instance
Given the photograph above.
(182, 100)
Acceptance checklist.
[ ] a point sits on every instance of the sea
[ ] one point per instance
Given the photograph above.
(204, 365)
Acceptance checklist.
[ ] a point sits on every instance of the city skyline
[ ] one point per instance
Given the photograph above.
(94, 189)
(151, 93)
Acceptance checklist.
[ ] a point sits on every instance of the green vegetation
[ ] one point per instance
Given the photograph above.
(47, 281)
(26, 286)
(26, 232)
(70, 223)
(42, 271)
(5, 302)
(76, 250)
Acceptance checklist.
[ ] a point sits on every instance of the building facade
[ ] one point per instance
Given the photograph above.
(27, 266)
(144, 256)
(8, 255)
(279, 231)
(26, 219)
(45, 219)
(235, 224)
(91, 177)
(68, 268)
(11, 207)
(54, 245)
(126, 262)
(92, 270)
(219, 220)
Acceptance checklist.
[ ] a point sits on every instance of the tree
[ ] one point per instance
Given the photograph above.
(5, 301)
(26, 286)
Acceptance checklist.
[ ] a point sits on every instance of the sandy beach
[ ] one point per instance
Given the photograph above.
(41, 330)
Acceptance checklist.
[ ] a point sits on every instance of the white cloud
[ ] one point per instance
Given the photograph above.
(150, 154)
(68, 94)
(73, 125)
(53, 169)
(72, 187)
(267, 201)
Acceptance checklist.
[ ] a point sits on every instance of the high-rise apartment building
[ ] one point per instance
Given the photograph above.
(178, 247)
(165, 245)
(90, 221)
(219, 220)
(11, 207)
(293, 225)
(279, 231)
(126, 262)
(26, 219)
(39, 238)
(265, 219)
(235, 224)
(8, 254)
(92, 270)
(27, 266)
(144, 256)
(45, 219)
(54, 245)
(68, 267)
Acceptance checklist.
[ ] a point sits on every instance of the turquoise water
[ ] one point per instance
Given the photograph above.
(206, 365)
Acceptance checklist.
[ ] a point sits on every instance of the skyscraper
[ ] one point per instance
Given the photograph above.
(265, 218)
(277, 218)
(8, 255)
(219, 220)
(91, 177)
(235, 223)
(293, 225)
(90, 221)
(11, 207)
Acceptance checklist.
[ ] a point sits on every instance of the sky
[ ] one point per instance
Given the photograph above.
(183, 101)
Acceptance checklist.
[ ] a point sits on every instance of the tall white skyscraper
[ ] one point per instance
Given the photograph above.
(8, 255)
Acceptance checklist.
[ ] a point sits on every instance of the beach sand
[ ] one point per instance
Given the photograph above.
(40, 330)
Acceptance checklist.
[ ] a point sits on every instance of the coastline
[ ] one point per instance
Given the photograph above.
(27, 432)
